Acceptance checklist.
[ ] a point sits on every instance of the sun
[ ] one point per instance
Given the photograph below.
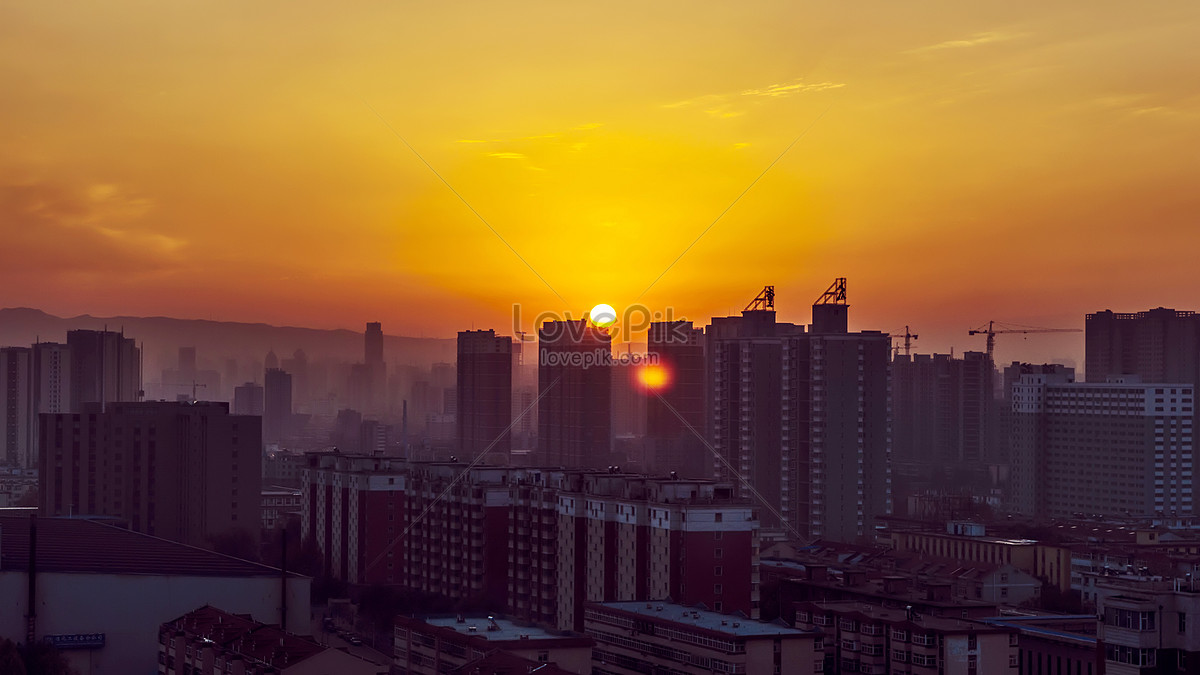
(654, 377)
(602, 316)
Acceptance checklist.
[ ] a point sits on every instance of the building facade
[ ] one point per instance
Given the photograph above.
(484, 393)
(575, 384)
(183, 471)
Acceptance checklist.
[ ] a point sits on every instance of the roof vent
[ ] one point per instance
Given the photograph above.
(724, 622)
(737, 624)
(523, 637)
(472, 629)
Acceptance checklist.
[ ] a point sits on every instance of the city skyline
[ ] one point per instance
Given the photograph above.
(1019, 155)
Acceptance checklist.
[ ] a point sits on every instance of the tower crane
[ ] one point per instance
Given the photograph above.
(991, 331)
(909, 338)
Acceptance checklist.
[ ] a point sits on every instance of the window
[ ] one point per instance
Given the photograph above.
(543, 657)
(718, 553)
(717, 590)
(717, 571)
(1182, 622)
(717, 518)
(972, 641)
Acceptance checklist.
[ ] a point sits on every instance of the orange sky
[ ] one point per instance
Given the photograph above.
(965, 162)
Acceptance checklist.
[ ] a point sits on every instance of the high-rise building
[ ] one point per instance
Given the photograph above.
(538, 542)
(52, 377)
(373, 344)
(105, 367)
(800, 419)
(17, 407)
(182, 471)
(1159, 345)
(1115, 448)
(671, 444)
(623, 537)
(944, 409)
(248, 399)
(575, 384)
(484, 393)
(277, 405)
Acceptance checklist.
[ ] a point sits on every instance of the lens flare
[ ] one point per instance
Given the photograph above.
(602, 316)
(654, 377)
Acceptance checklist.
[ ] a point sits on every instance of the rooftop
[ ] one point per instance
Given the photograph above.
(937, 623)
(89, 547)
(716, 622)
(496, 629)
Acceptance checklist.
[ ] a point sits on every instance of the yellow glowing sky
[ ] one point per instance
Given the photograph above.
(965, 161)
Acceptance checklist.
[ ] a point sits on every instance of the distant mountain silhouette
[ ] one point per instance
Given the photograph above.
(162, 336)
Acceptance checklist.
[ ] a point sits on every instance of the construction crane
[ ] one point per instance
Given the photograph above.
(764, 300)
(991, 331)
(909, 338)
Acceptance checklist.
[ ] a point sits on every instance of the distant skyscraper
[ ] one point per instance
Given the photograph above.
(672, 446)
(182, 471)
(248, 399)
(52, 377)
(17, 407)
(944, 409)
(484, 392)
(277, 405)
(575, 383)
(373, 344)
(105, 367)
(271, 361)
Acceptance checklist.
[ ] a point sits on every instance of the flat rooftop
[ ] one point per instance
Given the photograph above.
(507, 630)
(702, 618)
(938, 623)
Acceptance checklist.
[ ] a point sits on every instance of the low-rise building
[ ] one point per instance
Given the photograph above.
(211, 640)
(663, 637)
(864, 638)
(443, 644)
(102, 591)
(1049, 642)
(279, 505)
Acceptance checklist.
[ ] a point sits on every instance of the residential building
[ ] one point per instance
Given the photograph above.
(105, 367)
(575, 384)
(483, 407)
(943, 408)
(666, 637)
(438, 645)
(675, 408)
(17, 407)
(277, 405)
(1121, 447)
(248, 399)
(865, 638)
(800, 418)
(183, 471)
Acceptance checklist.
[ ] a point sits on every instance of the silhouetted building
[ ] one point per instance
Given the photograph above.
(17, 407)
(185, 382)
(1159, 345)
(1116, 448)
(373, 344)
(248, 399)
(801, 419)
(484, 393)
(52, 377)
(671, 444)
(183, 471)
(943, 409)
(277, 405)
(105, 367)
(575, 384)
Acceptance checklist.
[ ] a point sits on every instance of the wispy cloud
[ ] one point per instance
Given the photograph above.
(507, 155)
(732, 104)
(985, 38)
(795, 87)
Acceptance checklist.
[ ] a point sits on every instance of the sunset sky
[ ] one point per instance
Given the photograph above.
(963, 161)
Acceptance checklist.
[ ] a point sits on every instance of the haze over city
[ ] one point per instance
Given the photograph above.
(757, 338)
